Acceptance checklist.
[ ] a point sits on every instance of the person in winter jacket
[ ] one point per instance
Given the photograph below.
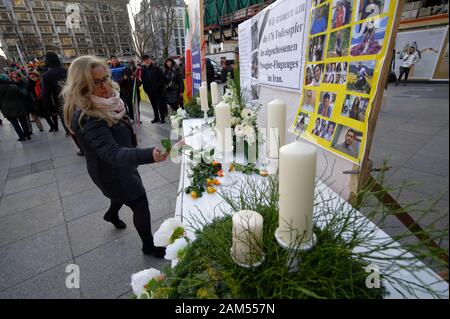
(153, 83)
(13, 106)
(94, 111)
(173, 84)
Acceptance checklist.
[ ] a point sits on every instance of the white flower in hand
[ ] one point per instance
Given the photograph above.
(182, 113)
(140, 279)
(173, 249)
(175, 123)
(163, 235)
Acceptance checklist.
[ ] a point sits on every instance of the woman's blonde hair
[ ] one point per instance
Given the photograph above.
(80, 86)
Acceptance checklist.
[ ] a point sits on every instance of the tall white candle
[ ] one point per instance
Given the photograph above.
(223, 126)
(276, 127)
(214, 93)
(297, 174)
(204, 98)
(247, 237)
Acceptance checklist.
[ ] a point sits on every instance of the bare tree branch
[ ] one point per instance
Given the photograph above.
(154, 25)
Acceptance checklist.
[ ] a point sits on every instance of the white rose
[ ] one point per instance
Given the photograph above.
(175, 123)
(249, 133)
(140, 279)
(239, 131)
(162, 236)
(173, 249)
(249, 130)
(182, 113)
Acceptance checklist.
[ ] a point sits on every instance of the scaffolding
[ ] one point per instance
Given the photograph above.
(222, 15)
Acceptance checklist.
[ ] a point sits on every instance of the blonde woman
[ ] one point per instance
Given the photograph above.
(94, 112)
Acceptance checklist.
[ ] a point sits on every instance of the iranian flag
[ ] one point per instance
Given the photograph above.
(188, 56)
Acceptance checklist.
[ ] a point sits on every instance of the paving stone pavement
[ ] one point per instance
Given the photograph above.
(51, 213)
(413, 133)
(51, 216)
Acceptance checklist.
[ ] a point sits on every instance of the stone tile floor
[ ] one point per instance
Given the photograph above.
(51, 216)
(413, 132)
(51, 213)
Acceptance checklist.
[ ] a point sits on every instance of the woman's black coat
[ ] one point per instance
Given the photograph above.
(172, 85)
(13, 101)
(112, 157)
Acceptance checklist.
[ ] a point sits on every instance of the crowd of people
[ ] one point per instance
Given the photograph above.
(95, 101)
(30, 94)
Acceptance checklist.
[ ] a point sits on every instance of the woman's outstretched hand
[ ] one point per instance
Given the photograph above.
(158, 156)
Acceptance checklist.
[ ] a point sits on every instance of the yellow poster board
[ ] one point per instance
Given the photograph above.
(347, 45)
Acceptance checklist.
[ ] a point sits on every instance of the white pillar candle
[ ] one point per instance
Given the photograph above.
(297, 183)
(214, 93)
(204, 98)
(247, 237)
(205, 84)
(276, 127)
(199, 102)
(223, 126)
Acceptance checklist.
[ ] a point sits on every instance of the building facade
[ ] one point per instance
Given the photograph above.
(70, 28)
(156, 20)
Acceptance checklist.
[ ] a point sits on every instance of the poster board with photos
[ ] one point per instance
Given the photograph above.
(347, 45)
(272, 46)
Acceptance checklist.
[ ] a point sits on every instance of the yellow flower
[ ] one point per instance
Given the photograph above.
(194, 195)
(264, 173)
(210, 190)
(216, 182)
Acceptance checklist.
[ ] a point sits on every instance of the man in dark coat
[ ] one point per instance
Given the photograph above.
(13, 106)
(52, 83)
(153, 83)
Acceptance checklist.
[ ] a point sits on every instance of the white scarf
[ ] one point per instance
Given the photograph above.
(113, 105)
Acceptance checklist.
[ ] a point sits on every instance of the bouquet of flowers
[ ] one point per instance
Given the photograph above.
(150, 283)
(176, 119)
(243, 119)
